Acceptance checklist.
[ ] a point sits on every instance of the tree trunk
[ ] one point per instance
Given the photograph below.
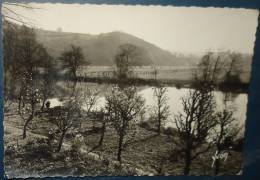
(120, 147)
(20, 101)
(74, 73)
(26, 124)
(61, 141)
(217, 166)
(12, 89)
(93, 124)
(80, 125)
(159, 126)
(5, 86)
(187, 162)
(102, 134)
(43, 103)
(217, 162)
(74, 87)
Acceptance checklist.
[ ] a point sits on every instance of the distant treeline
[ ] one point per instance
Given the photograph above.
(237, 87)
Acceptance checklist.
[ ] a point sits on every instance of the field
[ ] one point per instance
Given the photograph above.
(180, 74)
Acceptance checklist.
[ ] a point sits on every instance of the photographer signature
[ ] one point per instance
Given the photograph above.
(218, 155)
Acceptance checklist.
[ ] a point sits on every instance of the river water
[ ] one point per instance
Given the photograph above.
(236, 101)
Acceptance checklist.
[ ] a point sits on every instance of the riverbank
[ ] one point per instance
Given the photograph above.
(239, 87)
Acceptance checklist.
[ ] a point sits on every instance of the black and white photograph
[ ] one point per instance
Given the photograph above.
(125, 90)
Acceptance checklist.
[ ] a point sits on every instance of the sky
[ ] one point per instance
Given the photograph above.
(190, 30)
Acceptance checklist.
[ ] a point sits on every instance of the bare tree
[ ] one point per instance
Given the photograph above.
(104, 116)
(127, 56)
(11, 70)
(198, 119)
(65, 118)
(161, 109)
(30, 97)
(20, 49)
(223, 68)
(72, 59)
(225, 132)
(123, 106)
(30, 53)
(28, 57)
(234, 69)
(103, 128)
(90, 98)
(194, 125)
(9, 12)
(209, 70)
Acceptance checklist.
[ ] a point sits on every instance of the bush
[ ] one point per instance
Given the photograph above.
(69, 135)
(77, 142)
(169, 131)
(38, 147)
(178, 85)
(144, 124)
(10, 150)
(74, 153)
(148, 125)
(176, 155)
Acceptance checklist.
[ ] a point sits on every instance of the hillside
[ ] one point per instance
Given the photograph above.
(101, 49)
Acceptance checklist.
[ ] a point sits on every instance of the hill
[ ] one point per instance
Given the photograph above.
(101, 49)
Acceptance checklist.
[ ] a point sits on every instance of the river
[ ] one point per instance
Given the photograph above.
(237, 102)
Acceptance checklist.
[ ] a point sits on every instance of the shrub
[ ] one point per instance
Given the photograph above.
(38, 147)
(10, 150)
(176, 155)
(77, 143)
(144, 124)
(169, 131)
(178, 85)
(70, 135)
(74, 152)
(148, 125)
